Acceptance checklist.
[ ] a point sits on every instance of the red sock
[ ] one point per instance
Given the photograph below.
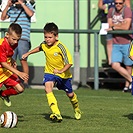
(9, 92)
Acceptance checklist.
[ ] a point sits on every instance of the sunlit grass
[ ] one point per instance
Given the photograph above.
(104, 111)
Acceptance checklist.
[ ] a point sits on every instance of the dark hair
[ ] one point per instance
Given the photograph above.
(14, 27)
(51, 27)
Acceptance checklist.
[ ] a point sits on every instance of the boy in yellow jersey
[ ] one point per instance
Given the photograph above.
(58, 63)
(8, 72)
(131, 57)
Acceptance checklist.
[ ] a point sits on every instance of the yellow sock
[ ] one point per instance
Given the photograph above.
(52, 103)
(74, 101)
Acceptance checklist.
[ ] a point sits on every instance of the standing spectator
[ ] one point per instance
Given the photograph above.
(121, 20)
(8, 72)
(57, 70)
(105, 5)
(12, 10)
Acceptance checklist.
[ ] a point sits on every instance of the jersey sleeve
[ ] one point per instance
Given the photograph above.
(41, 46)
(66, 54)
(3, 57)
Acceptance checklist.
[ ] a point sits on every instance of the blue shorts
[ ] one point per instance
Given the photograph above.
(23, 47)
(120, 54)
(60, 83)
(109, 37)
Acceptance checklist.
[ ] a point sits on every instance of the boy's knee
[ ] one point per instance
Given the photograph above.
(22, 90)
(70, 95)
(19, 88)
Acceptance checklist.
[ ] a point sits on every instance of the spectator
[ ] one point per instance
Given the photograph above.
(8, 72)
(12, 10)
(58, 63)
(105, 5)
(121, 20)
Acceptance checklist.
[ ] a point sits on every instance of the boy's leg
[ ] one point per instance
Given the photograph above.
(13, 88)
(66, 85)
(5, 99)
(52, 103)
(75, 105)
(49, 80)
(54, 107)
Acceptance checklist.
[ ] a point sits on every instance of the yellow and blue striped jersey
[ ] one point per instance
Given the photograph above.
(57, 56)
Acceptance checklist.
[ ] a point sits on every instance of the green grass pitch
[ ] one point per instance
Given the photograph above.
(104, 111)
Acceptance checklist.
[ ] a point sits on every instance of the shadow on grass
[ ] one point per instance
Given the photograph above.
(46, 116)
(21, 118)
(109, 86)
(129, 116)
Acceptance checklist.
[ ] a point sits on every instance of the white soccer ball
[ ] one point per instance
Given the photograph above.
(8, 119)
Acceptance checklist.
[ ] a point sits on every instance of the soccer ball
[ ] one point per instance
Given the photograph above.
(8, 119)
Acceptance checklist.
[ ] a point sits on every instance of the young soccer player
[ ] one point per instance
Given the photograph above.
(8, 72)
(58, 63)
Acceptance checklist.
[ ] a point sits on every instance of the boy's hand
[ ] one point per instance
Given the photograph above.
(23, 75)
(56, 71)
(25, 55)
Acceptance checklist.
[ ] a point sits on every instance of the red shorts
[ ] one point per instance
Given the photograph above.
(12, 81)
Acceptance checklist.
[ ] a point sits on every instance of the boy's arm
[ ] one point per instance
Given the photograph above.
(35, 50)
(66, 67)
(13, 63)
(22, 75)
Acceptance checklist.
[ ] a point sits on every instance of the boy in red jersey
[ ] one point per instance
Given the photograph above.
(8, 72)
(57, 70)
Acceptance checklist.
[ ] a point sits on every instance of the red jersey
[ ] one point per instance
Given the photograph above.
(6, 53)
